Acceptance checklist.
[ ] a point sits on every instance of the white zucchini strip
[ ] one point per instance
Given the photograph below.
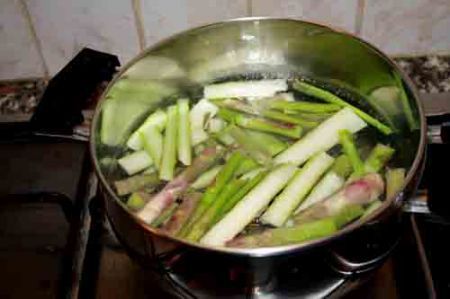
(135, 162)
(157, 119)
(328, 185)
(322, 138)
(152, 142)
(249, 207)
(297, 189)
(184, 132)
(169, 156)
(199, 114)
(261, 88)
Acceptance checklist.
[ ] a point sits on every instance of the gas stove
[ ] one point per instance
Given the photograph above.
(56, 240)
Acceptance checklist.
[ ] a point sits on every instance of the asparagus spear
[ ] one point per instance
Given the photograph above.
(261, 88)
(174, 188)
(231, 202)
(135, 162)
(260, 110)
(301, 233)
(329, 184)
(296, 190)
(395, 178)
(170, 144)
(204, 222)
(152, 142)
(260, 124)
(371, 208)
(206, 178)
(321, 138)
(135, 183)
(184, 211)
(247, 165)
(349, 148)
(166, 215)
(137, 200)
(412, 121)
(156, 120)
(249, 207)
(362, 191)
(329, 97)
(304, 106)
(224, 176)
(250, 144)
(378, 157)
(184, 132)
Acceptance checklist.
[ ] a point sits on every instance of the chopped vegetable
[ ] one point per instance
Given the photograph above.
(168, 160)
(250, 144)
(199, 115)
(329, 184)
(249, 207)
(156, 121)
(404, 100)
(296, 190)
(204, 222)
(261, 88)
(184, 211)
(166, 215)
(223, 178)
(135, 183)
(206, 178)
(321, 138)
(184, 132)
(327, 96)
(350, 150)
(395, 178)
(136, 201)
(361, 191)
(303, 232)
(304, 106)
(135, 162)
(152, 142)
(177, 186)
(378, 157)
(249, 185)
(371, 208)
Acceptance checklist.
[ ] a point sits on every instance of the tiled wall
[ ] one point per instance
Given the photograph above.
(37, 37)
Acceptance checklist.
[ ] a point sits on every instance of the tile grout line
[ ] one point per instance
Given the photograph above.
(359, 17)
(249, 8)
(138, 21)
(29, 21)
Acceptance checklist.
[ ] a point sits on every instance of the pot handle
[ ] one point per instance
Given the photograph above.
(75, 88)
(366, 248)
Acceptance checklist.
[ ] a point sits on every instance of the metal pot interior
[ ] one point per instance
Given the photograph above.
(267, 48)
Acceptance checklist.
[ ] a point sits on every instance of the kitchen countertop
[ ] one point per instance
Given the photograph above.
(431, 74)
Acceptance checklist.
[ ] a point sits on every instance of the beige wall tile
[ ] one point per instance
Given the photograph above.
(406, 27)
(163, 18)
(19, 57)
(65, 27)
(339, 13)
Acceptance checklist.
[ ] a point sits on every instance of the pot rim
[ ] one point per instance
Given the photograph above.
(275, 250)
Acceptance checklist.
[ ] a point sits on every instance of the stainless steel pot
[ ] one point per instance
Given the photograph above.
(269, 47)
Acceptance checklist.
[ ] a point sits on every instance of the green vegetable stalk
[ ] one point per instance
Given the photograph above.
(135, 183)
(395, 178)
(170, 144)
(250, 145)
(378, 157)
(137, 200)
(206, 178)
(301, 233)
(329, 97)
(184, 132)
(204, 222)
(152, 141)
(412, 121)
(182, 214)
(156, 121)
(223, 178)
(260, 124)
(302, 106)
(166, 215)
(350, 150)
